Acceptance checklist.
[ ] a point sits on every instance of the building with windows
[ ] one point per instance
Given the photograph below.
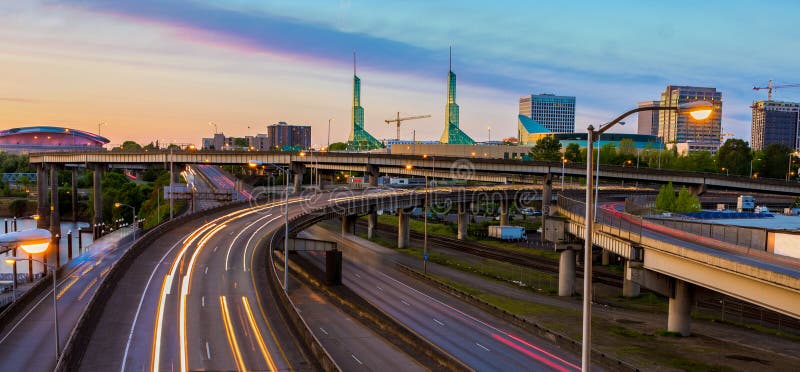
(556, 113)
(44, 139)
(648, 120)
(452, 132)
(674, 127)
(282, 136)
(775, 122)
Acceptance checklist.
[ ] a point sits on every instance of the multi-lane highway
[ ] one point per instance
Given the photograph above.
(27, 343)
(474, 337)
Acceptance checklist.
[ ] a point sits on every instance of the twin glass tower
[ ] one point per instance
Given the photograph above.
(360, 139)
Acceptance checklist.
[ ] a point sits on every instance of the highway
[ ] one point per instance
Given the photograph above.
(474, 337)
(28, 342)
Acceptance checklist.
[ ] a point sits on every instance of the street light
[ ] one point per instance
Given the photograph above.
(133, 219)
(34, 242)
(726, 170)
(286, 172)
(789, 172)
(697, 110)
(563, 163)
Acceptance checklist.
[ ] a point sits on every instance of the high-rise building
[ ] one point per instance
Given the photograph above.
(359, 138)
(648, 120)
(452, 133)
(283, 136)
(775, 122)
(674, 127)
(556, 113)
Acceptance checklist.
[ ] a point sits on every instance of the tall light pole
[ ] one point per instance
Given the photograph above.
(287, 174)
(698, 110)
(133, 221)
(789, 172)
(329, 134)
(597, 175)
(171, 179)
(563, 164)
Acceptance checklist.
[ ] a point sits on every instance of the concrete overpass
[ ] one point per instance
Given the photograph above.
(491, 170)
(670, 264)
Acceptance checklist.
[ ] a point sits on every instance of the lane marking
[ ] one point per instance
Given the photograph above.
(257, 333)
(482, 347)
(237, 354)
(323, 330)
(405, 303)
(203, 301)
(380, 289)
(438, 322)
(208, 351)
(354, 357)
(358, 276)
(215, 248)
(233, 241)
(205, 272)
(86, 290)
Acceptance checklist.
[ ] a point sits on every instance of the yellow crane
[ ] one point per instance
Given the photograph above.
(771, 86)
(399, 120)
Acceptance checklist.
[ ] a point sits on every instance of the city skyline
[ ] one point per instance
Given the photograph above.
(145, 66)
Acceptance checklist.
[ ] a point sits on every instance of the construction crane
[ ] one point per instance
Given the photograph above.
(399, 120)
(770, 87)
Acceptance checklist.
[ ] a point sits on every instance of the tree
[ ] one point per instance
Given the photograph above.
(665, 200)
(608, 154)
(735, 155)
(774, 161)
(686, 202)
(18, 207)
(573, 153)
(129, 146)
(240, 142)
(337, 146)
(547, 148)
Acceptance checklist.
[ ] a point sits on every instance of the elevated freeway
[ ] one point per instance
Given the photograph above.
(671, 262)
(489, 170)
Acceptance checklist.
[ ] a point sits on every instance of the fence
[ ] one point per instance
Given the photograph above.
(607, 219)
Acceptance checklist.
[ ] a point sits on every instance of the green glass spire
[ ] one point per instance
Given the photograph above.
(452, 133)
(359, 138)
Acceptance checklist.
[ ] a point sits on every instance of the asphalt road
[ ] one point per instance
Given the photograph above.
(476, 338)
(27, 343)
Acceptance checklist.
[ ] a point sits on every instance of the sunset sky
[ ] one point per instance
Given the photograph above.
(166, 69)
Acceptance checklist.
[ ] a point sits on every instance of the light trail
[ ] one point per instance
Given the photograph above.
(246, 245)
(257, 333)
(237, 355)
(233, 242)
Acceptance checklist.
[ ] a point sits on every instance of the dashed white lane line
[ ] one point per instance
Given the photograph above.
(405, 303)
(215, 248)
(358, 276)
(380, 289)
(203, 301)
(208, 351)
(482, 347)
(205, 272)
(323, 330)
(354, 357)
(438, 322)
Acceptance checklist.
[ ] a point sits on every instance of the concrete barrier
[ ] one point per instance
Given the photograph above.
(747, 237)
(555, 337)
(78, 340)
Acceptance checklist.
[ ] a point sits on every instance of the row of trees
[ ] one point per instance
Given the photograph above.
(735, 157)
(667, 201)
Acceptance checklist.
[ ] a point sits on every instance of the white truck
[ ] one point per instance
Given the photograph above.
(507, 232)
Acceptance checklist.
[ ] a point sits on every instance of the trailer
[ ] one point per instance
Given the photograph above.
(514, 233)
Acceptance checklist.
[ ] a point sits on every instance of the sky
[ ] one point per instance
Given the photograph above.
(165, 70)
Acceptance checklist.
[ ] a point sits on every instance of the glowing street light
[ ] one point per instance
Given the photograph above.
(133, 221)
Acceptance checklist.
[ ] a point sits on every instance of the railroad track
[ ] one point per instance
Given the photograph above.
(529, 261)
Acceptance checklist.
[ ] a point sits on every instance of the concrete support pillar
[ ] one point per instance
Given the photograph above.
(347, 224)
(680, 308)
(374, 173)
(403, 225)
(547, 191)
(43, 200)
(566, 273)
(504, 212)
(297, 172)
(74, 195)
(605, 258)
(463, 220)
(629, 287)
(97, 198)
(372, 224)
(333, 267)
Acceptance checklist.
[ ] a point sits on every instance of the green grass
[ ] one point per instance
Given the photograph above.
(630, 333)
(523, 308)
(648, 302)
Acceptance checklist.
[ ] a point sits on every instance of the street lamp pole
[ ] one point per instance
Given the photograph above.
(563, 164)
(133, 220)
(699, 110)
(425, 243)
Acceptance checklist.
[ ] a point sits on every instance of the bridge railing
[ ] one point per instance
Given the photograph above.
(611, 221)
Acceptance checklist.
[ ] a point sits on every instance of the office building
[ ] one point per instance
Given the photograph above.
(359, 139)
(674, 127)
(452, 132)
(282, 136)
(259, 142)
(775, 122)
(556, 113)
(648, 120)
